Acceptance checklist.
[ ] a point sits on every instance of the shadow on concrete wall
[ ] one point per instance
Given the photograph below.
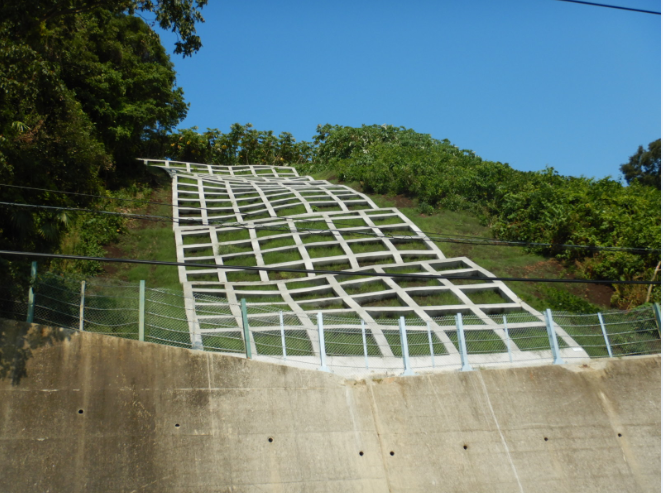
(18, 340)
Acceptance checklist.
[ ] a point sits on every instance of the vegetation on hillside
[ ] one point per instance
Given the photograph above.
(85, 87)
(541, 207)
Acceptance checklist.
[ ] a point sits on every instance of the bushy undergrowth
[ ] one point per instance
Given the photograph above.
(541, 207)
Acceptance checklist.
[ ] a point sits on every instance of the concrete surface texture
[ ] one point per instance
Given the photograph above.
(82, 412)
(258, 215)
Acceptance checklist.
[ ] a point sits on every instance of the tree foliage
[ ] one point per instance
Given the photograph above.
(542, 207)
(84, 85)
(242, 145)
(644, 167)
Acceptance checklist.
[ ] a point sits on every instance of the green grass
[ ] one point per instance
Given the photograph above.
(500, 260)
(349, 342)
(243, 276)
(363, 262)
(407, 269)
(390, 301)
(281, 256)
(303, 226)
(415, 283)
(326, 208)
(437, 299)
(271, 230)
(257, 287)
(383, 221)
(277, 243)
(417, 342)
(485, 297)
(230, 343)
(410, 245)
(255, 298)
(479, 341)
(233, 235)
(312, 295)
(335, 266)
(243, 260)
(203, 252)
(373, 246)
(306, 284)
(230, 249)
(291, 211)
(349, 223)
(325, 251)
(533, 339)
(195, 239)
(322, 305)
(365, 287)
(277, 276)
(364, 234)
(296, 341)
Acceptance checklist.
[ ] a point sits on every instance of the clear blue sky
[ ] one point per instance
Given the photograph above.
(527, 82)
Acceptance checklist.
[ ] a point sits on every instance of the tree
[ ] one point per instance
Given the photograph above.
(644, 166)
(84, 84)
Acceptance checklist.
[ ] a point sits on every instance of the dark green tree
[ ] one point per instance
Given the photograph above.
(644, 166)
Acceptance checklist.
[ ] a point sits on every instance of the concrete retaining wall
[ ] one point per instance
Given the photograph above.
(84, 412)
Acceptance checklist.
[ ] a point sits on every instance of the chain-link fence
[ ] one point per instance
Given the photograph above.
(332, 338)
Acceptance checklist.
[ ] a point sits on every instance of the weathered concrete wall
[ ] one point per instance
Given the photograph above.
(83, 412)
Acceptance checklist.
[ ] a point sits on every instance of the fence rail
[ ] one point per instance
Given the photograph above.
(328, 338)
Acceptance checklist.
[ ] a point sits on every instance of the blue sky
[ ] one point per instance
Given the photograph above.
(527, 82)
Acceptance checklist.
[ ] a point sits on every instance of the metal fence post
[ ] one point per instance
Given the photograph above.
(31, 293)
(605, 335)
(323, 351)
(247, 333)
(141, 311)
(430, 344)
(508, 339)
(81, 314)
(657, 314)
(552, 337)
(363, 340)
(465, 365)
(404, 348)
(282, 334)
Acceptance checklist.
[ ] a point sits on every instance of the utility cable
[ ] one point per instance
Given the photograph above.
(316, 271)
(612, 6)
(466, 239)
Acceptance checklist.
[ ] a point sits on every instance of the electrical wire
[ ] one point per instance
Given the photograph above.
(612, 6)
(465, 239)
(315, 271)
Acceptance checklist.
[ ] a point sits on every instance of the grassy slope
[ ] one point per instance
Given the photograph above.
(155, 241)
(505, 261)
(150, 240)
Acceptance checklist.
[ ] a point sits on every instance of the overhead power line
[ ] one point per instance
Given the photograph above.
(316, 271)
(464, 239)
(612, 6)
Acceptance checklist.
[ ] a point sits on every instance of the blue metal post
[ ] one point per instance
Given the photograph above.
(404, 348)
(323, 351)
(247, 333)
(657, 313)
(552, 336)
(430, 344)
(508, 339)
(282, 334)
(31, 293)
(141, 311)
(605, 335)
(363, 339)
(465, 365)
(81, 311)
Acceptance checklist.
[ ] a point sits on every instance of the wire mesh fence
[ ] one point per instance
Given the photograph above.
(337, 338)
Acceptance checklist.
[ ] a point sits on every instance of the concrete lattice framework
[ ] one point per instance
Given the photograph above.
(259, 215)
